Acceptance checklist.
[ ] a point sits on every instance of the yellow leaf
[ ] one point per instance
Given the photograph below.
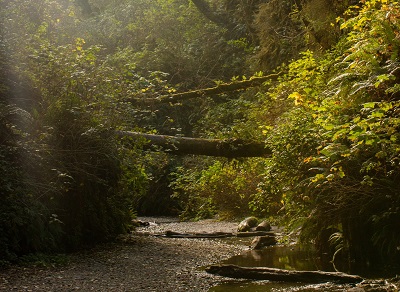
(298, 99)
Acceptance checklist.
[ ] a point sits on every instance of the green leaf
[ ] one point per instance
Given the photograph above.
(370, 141)
(382, 78)
(328, 127)
(377, 114)
(370, 104)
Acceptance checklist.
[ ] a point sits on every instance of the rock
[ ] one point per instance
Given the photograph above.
(261, 241)
(263, 226)
(247, 224)
(139, 223)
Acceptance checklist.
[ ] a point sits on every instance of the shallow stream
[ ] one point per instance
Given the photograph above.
(283, 257)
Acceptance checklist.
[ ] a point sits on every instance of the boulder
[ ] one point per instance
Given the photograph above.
(261, 241)
(247, 224)
(263, 226)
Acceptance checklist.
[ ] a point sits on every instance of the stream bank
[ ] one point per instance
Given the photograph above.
(149, 263)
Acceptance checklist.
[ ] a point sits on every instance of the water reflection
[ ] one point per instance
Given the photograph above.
(276, 287)
(294, 257)
(282, 257)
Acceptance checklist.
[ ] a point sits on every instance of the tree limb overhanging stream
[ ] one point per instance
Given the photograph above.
(218, 89)
(230, 148)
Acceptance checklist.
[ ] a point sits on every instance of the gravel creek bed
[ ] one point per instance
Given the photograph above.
(135, 263)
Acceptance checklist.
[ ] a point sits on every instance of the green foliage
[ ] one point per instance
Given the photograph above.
(331, 121)
(336, 150)
(26, 223)
(280, 34)
(157, 199)
(223, 187)
(286, 28)
(166, 36)
(62, 181)
(362, 146)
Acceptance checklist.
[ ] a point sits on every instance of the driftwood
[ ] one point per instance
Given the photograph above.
(173, 234)
(210, 147)
(261, 273)
(254, 233)
(221, 88)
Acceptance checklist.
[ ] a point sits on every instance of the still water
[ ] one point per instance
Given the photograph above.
(282, 257)
(293, 257)
(276, 287)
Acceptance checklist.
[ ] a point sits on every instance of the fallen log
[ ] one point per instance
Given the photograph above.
(221, 88)
(271, 274)
(210, 147)
(255, 233)
(173, 234)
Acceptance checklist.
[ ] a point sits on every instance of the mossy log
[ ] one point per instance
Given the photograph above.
(230, 148)
(212, 91)
(271, 274)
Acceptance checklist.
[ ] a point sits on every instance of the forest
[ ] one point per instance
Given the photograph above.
(292, 106)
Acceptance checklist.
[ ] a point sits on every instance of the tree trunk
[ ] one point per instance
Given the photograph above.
(261, 273)
(221, 88)
(209, 147)
(85, 7)
(219, 19)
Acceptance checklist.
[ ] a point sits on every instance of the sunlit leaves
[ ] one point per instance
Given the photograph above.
(352, 97)
(298, 99)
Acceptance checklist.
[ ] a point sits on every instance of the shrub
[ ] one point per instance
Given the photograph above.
(224, 188)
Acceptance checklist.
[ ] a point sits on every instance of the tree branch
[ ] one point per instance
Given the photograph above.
(210, 147)
(219, 19)
(221, 88)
